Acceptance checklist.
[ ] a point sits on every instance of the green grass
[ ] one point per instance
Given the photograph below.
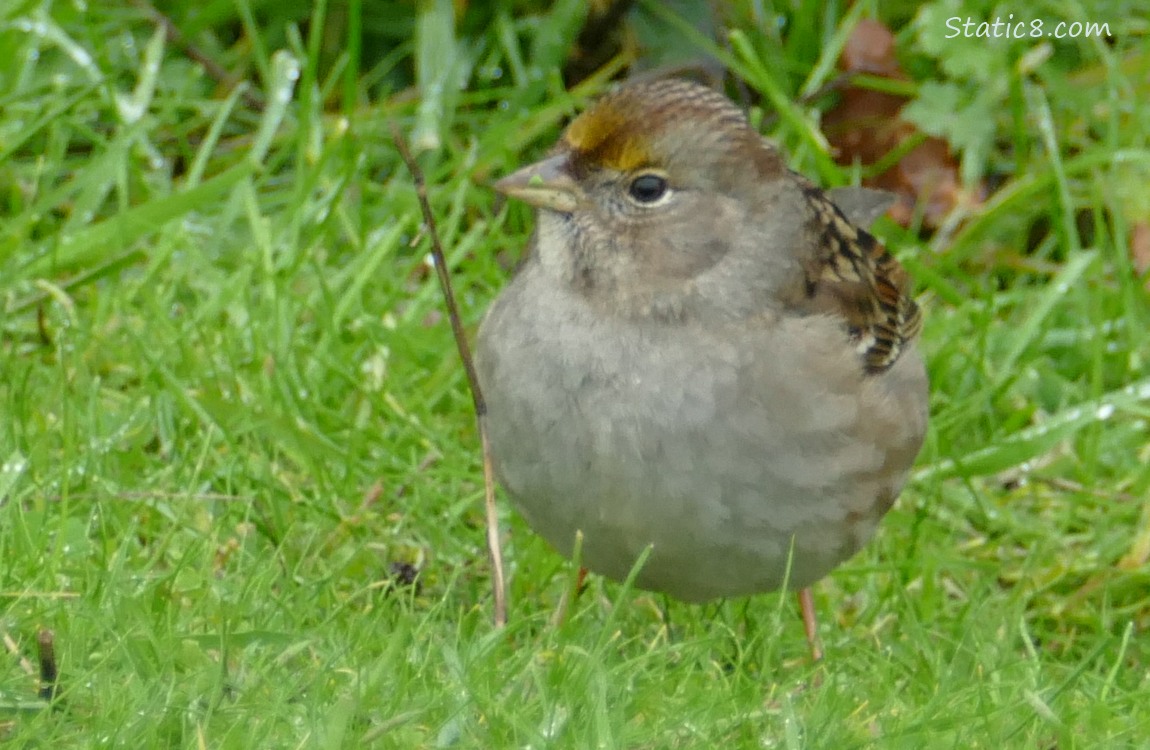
(230, 402)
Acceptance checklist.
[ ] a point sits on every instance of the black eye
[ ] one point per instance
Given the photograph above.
(648, 188)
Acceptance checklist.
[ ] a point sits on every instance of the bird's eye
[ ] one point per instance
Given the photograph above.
(648, 188)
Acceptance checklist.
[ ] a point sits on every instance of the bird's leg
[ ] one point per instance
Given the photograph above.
(810, 623)
(572, 593)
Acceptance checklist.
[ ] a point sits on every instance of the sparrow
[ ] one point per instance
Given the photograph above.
(703, 357)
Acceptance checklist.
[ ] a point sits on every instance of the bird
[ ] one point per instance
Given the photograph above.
(703, 361)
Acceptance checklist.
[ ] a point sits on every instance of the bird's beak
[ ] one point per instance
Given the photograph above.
(546, 184)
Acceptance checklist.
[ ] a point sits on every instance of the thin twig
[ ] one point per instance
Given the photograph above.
(441, 270)
(493, 546)
(217, 72)
(491, 515)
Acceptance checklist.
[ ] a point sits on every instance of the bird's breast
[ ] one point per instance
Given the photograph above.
(707, 444)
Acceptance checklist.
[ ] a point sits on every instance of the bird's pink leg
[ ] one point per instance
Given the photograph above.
(810, 623)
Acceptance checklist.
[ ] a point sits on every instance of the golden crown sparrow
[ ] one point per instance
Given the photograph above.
(701, 354)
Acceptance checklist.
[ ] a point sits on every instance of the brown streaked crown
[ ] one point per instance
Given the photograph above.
(630, 128)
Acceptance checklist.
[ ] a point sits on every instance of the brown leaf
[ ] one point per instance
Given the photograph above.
(870, 49)
(927, 178)
(866, 125)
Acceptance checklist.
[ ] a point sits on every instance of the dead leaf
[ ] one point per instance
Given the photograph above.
(867, 125)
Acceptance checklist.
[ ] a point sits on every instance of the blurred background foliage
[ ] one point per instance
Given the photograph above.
(231, 405)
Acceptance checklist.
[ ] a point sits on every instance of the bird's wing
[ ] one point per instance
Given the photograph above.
(852, 274)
